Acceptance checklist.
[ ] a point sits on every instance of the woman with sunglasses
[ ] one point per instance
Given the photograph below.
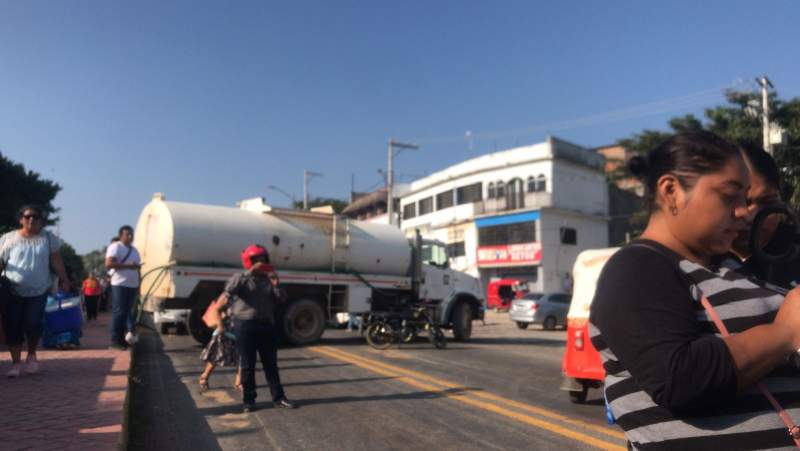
(28, 256)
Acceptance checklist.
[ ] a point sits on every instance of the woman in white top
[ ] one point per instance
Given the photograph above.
(28, 256)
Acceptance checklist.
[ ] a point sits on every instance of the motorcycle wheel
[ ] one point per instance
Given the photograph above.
(377, 337)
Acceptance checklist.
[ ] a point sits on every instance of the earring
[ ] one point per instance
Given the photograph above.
(674, 210)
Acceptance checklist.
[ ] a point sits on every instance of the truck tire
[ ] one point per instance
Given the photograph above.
(197, 328)
(462, 322)
(303, 322)
(522, 325)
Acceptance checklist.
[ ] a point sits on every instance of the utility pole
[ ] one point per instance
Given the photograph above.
(307, 176)
(765, 84)
(390, 174)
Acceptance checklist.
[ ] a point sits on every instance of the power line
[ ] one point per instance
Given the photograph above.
(641, 110)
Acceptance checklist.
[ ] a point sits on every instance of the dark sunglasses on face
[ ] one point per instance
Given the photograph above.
(32, 217)
(259, 258)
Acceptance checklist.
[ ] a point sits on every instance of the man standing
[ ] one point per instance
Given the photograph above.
(253, 295)
(124, 260)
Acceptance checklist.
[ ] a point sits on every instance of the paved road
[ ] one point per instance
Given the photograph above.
(499, 391)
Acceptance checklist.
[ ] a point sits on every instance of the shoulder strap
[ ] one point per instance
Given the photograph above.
(792, 428)
(128, 254)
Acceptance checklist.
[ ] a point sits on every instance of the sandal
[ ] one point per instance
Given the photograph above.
(203, 381)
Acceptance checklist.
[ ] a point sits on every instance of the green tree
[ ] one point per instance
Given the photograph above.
(94, 262)
(337, 204)
(19, 186)
(740, 121)
(72, 262)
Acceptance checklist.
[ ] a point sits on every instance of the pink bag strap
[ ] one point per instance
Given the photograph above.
(793, 429)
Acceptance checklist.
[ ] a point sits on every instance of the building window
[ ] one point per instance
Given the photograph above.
(501, 189)
(470, 193)
(456, 250)
(531, 184)
(519, 233)
(444, 200)
(425, 206)
(515, 194)
(541, 183)
(409, 211)
(490, 191)
(568, 235)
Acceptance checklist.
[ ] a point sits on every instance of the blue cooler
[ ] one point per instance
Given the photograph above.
(63, 320)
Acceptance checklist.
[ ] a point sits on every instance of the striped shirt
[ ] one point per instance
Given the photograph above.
(670, 379)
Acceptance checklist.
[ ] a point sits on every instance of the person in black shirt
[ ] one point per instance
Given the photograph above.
(253, 296)
(672, 380)
(765, 182)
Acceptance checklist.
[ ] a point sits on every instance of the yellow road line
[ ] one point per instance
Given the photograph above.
(490, 396)
(381, 368)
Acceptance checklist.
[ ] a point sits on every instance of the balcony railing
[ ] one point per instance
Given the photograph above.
(526, 201)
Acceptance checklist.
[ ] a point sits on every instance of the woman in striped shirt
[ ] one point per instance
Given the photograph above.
(673, 382)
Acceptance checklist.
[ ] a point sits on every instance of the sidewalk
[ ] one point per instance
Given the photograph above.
(75, 401)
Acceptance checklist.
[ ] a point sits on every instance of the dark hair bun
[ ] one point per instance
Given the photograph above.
(638, 166)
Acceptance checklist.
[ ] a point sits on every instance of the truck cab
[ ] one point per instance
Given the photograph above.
(458, 295)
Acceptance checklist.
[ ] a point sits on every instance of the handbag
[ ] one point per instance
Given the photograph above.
(5, 286)
(211, 317)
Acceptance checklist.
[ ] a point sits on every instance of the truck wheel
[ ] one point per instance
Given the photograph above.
(579, 397)
(522, 325)
(197, 328)
(549, 323)
(462, 322)
(303, 322)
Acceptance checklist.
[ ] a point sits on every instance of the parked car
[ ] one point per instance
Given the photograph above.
(548, 309)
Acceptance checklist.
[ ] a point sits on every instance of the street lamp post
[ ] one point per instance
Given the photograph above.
(307, 176)
(390, 174)
(765, 85)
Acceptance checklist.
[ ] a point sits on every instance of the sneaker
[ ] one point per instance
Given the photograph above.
(247, 408)
(284, 403)
(14, 371)
(131, 338)
(31, 365)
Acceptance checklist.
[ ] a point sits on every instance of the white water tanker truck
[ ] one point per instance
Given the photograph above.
(327, 264)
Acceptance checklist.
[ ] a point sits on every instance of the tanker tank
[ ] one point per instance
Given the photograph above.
(207, 235)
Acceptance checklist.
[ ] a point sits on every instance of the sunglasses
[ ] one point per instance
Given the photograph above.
(32, 217)
(259, 258)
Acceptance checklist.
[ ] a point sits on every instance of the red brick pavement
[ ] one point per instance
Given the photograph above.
(75, 400)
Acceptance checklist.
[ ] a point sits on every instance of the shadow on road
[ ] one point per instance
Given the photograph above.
(163, 414)
(301, 403)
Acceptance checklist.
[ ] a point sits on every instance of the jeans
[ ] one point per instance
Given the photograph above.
(91, 306)
(122, 302)
(24, 318)
(258, 336)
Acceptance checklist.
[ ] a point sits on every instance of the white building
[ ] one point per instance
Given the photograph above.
(523, 213)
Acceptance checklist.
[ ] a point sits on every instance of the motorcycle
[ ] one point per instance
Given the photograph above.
(385, 328)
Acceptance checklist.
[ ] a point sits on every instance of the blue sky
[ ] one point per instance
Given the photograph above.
(213, 101)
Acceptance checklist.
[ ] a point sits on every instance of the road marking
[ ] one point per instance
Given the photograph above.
(413, 378)
(490, 396)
